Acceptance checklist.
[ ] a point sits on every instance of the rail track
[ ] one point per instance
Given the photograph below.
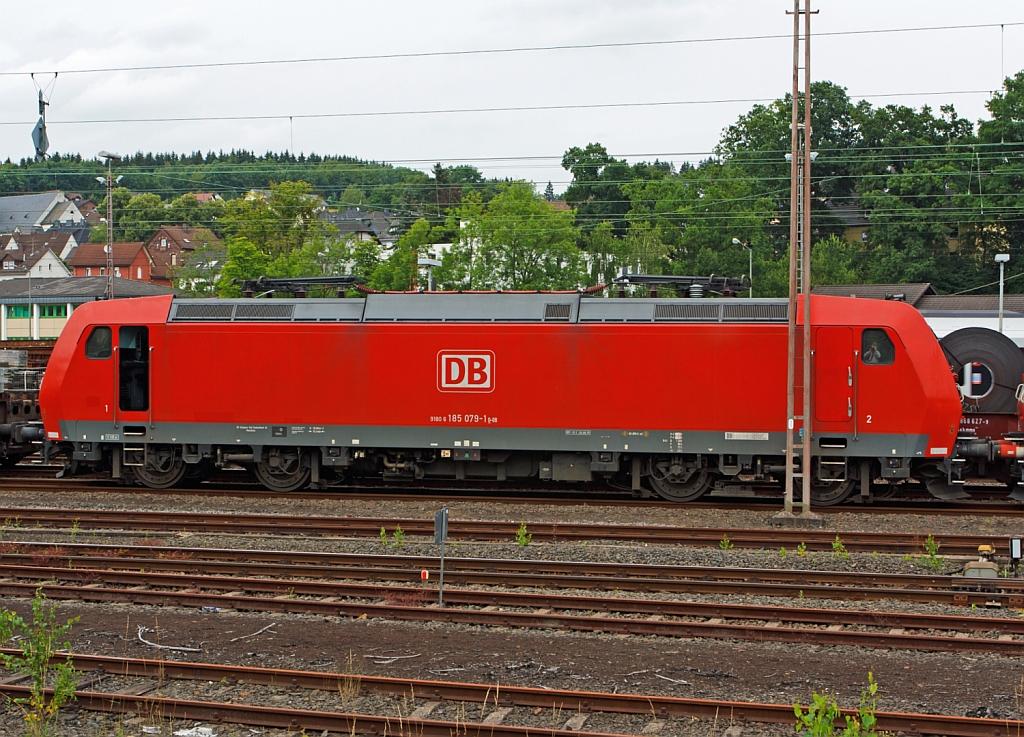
(43, 481)
(280, 524)
(851, 586)
(426, 695)
(518, 609)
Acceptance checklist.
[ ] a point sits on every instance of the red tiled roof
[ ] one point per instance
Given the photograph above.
(92, 254)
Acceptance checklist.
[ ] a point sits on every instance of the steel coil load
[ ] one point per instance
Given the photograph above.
(988, 366)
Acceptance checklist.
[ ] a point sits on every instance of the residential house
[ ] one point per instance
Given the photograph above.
(33, 254)
(61, 243)
(177, 242)
(37, 309)
(83, 203)
(172, 245)
(205, 197)
(364, 225)
(130, 260)
(38, 212)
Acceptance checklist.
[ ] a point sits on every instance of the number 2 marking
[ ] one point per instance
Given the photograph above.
(869, 419)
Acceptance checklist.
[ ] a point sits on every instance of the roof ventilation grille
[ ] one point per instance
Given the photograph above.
(757, 312)
(707, 310)
(557, 312)
(261, 311)
(199, 312)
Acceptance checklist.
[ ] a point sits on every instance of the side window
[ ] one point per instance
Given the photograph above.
(98, 343)
(877, 348)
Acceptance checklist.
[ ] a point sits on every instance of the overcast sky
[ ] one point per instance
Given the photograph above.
(69, 37)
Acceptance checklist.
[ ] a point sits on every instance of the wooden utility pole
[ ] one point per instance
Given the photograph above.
(799, 418)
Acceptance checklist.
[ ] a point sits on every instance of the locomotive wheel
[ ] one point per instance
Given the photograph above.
(673, 486)
(167, 471)
(284, 472)
(828, 493)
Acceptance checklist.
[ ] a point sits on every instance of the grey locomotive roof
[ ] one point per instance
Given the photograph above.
(556, 308)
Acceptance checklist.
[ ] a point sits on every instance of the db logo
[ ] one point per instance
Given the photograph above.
(462, 371)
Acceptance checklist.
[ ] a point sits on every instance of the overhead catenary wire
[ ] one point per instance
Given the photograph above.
(506, 50)
(346, 163)
(461, 111)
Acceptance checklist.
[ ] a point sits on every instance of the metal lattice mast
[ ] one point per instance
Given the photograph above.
(109, 181)
(805, 255)
(109, 294)
(798, 375)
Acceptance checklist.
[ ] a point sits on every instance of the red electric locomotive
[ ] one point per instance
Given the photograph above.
(657, 395)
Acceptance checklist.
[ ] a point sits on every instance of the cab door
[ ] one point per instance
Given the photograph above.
(94, 380)
(133, 374)
(833, 376)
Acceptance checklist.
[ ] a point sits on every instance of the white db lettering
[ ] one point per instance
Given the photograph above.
(465, 371)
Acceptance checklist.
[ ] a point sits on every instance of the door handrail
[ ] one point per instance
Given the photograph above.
(117, 377)
(856, 384)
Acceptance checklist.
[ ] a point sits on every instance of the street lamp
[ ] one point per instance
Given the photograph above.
(1001, 259)
(750, 267)
(430, 263)
(109, 181)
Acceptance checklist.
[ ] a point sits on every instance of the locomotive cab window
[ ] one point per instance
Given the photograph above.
(133, 368)
(877, 348)
(99, 342)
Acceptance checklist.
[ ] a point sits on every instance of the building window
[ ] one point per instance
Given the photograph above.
(18, 311)
(117, 271)
(88, 271)
(102, 270)
(9, 265)
(53, 310)
(139, 273)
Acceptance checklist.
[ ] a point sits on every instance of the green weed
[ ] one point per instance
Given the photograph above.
(523, 537)
(39, 642)
(819, 720)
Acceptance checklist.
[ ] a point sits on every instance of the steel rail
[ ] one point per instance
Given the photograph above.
(295, 720)
(279, 524)
(823, 626)
(855, 586)
(247, 489)
(659, 707)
